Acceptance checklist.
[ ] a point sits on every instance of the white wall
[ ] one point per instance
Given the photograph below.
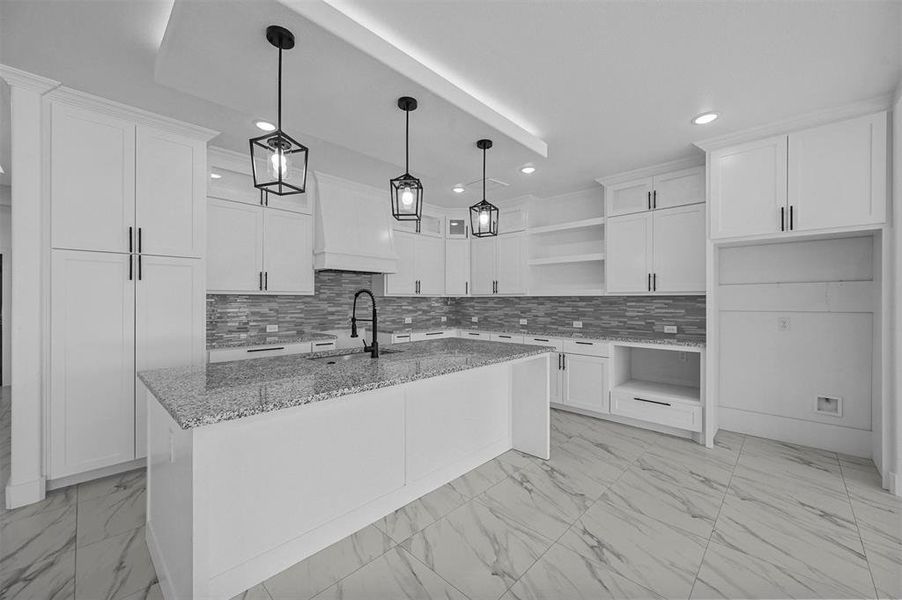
(6, 252)
(796, 321)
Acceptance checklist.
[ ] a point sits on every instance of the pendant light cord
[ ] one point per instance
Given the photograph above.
(483, 174)
(280, 92)
(407, 142)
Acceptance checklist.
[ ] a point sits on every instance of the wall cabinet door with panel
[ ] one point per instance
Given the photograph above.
(665, 190)
(497, 265)
(287, 252)
(457, 267)
(628, 256)
(421, 266)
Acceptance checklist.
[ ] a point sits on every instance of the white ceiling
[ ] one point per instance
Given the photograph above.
(610, 86)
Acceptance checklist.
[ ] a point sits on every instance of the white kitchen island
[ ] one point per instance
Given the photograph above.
(254, 466)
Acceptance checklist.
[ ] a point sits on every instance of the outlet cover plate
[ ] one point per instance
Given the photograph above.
(444, 319)
(474, 319)
(670, 329)
(522, 321)
(578, 324)
(272, 328)
(408, 320)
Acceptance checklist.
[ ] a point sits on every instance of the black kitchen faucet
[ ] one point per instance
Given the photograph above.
(373, 348)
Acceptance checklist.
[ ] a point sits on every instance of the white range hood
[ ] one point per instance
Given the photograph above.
(353, 227)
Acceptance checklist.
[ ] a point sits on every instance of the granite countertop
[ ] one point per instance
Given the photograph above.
(663, 339)
(204, 395)
(267, 339)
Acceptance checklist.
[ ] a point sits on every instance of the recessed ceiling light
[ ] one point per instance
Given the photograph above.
(215, 176)
(458, 189)
(528, 170)
(265, 126)
(705, 118)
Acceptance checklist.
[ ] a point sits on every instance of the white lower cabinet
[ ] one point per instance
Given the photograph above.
(585, 382)
(112, 315)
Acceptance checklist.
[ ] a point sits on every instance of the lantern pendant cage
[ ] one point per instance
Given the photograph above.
(278, 161)
(484, 214)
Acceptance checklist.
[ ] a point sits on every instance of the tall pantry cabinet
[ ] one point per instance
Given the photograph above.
(127, 239)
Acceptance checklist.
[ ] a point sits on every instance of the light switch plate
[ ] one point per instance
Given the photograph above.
(408, 320)
(474, 319)
(522, 321)
(670, 329)
(578, 324)
(444, 319)
(272, 328)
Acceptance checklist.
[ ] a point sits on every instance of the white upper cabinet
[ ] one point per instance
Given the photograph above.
(821, 179)
(430, 265)
(678, 257)
(679, 188)
(404, 281)
(170, 184)
(748, 188)
(92, 180)
(457, 267)
(497, 265)
(629, 249)
(482, 266)
(287, 252)
(421, 266)
(92, 360)
(629, 197)
(234, 246)
(837, 174)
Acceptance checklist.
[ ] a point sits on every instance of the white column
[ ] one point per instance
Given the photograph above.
(893, 433)
(26, 482)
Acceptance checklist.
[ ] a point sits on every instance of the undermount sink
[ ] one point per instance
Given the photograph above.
(348, 356)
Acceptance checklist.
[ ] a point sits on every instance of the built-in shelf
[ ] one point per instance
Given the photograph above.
(572, 258)
(669, 392)
(581, 224)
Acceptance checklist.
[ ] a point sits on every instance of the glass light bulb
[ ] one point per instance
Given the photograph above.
(279, 164)
(406, 197)
(483, 217)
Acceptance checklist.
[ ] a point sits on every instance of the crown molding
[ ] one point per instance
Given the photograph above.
(23, 79)
(666, 167)
(228, 160)
(123, 111)
(804, 121)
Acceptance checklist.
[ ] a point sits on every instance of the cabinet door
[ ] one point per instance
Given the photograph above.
(482, 266)
(679, 249)
(457, 267)
(92, 355)
(630, 197)
(170, 190)
(679, 188)
(748, 188)
(287, 252)
(404, 282)
(557, 380)
(92, 180)
(430, 265)
(509, 265)
(628, 257)
(837, 174)
(586, 382)
(234, 246)
(170, 327)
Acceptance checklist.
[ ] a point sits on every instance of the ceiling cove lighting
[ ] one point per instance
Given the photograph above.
(279, 162)
(264, 126)
(705, 118)
(406, 190)
(527, 169)
(484, 214)
(458, 189)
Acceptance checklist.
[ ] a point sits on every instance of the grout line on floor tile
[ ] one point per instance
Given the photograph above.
(864, 549)
(439, 575)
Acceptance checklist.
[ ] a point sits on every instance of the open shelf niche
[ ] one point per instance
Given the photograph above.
(566, 245)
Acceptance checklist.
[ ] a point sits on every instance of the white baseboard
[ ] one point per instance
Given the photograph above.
(159, 564)
(27, 492)
(894, 483)
(61, 482)
(856, 442)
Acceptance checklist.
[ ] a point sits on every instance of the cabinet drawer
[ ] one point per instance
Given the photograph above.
(483, 335)
(400, 338)
(323, 346)
(507, 338)
(227, 354)
(430, 335)
(587, 347)
(662, 412)
(544, 341)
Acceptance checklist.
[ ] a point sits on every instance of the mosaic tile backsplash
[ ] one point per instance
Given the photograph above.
(230, 316)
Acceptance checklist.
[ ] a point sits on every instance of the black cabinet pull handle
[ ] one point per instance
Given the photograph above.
(139, 266)
(654, 199)
(648, 200)
(131, 235)
(782, 218)
(140, 245)
(564, 361)
(584, 343)
(260, 283)
(318, 344)
(434, 333)
(472, 333)
(652, 401)
(539, 340)
(654, 282)
(266, 349)
(791, 226)
(131, 267)
(466, 287)
(266, 280)
(560, 358)
(649, 282)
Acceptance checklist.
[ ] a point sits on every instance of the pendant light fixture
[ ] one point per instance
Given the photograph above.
(279, 161)
(484, 214)
(406, 190)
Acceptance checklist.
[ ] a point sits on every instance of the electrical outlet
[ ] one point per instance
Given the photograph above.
(522, 321)
(784, 324)
(474, 319)
(408, 320)
(578, 324)
(444, 319)
(670, 329)
(272, 328)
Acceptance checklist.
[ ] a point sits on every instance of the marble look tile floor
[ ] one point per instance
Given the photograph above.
(616, 513)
